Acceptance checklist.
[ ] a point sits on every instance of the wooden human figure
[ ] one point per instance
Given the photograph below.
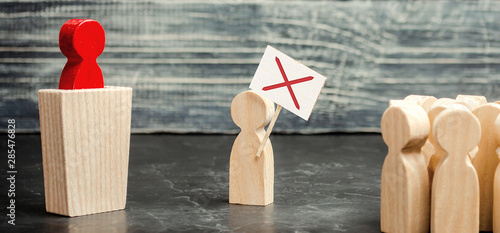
(438, 107)
(486, 161)
(426, 103)
(472, 100)
(405, 195)
(455, 188)
(81, 41)
(423, 100)
(251, 178)
(496, 183)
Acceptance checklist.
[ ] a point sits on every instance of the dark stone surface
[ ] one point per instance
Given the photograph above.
(323, 183)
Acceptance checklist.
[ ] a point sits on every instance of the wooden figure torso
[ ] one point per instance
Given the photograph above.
(455, 188)
(405, 183)
(251, 178)
(486, 161)
(438, 151)
(426, 103)
(496, 182)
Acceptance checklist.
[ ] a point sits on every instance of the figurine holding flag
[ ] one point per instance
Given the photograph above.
(289, 84)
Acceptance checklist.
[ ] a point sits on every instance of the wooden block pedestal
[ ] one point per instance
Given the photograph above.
(85, 145)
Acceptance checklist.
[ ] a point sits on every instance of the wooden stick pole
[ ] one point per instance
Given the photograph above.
(269, 130)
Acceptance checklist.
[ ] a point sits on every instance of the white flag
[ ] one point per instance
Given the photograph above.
(287, 82)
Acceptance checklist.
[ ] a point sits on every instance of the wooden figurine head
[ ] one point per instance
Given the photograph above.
(250, 110)
(422, 100)
(457, 131)
(439, 108)
(405, 127)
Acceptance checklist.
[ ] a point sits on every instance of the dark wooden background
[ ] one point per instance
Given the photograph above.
(186, 60)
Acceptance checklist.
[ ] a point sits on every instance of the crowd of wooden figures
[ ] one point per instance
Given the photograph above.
(440, 172)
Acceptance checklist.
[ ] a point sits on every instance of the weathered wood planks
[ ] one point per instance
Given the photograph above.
(186, 60)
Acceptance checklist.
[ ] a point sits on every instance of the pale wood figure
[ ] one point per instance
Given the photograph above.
(405, 195)
(436, 109)
(472, 100)
(442, 101)
(251, 178)
(455, 189)
(426, 103)
(496, 183)
(486, 161)
(423, 100)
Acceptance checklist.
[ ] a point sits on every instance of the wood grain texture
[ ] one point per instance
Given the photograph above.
(455, 187)
(422, 100)
(472, 101)
(436, 108)
(85, 147)
(251, 178)
(186, 60)
(426, 103)
(438, 154)
(496, 183)
(269, 130)
(405, 195)
(486, 161)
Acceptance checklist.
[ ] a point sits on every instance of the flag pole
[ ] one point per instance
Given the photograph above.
(269, 129)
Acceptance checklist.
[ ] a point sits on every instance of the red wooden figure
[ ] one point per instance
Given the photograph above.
(81, 41)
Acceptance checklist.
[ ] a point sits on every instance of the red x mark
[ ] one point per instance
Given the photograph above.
(287, 83)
